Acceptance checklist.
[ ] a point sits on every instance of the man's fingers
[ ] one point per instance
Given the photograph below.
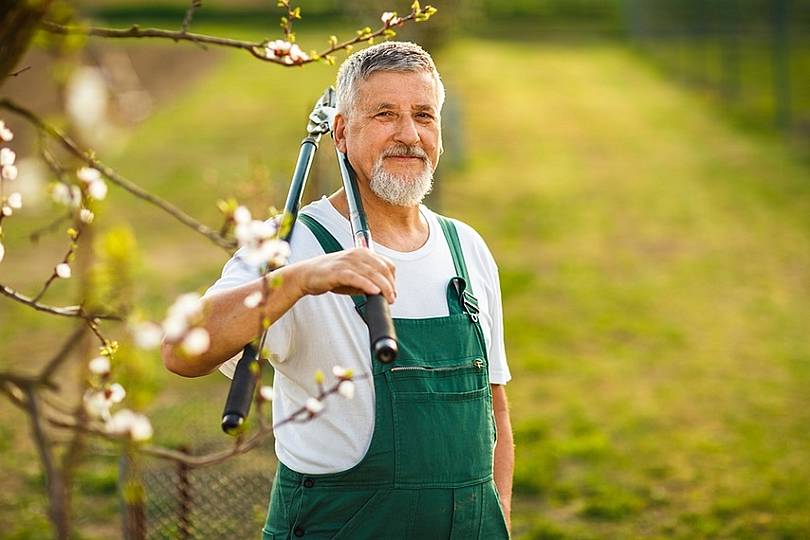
(355, 283)
(378, 272)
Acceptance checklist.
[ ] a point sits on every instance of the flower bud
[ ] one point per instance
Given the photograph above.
(313, 406)
(63, 270)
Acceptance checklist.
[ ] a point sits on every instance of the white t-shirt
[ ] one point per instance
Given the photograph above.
(326, 330)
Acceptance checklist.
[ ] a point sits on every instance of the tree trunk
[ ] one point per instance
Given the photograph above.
(18, 22)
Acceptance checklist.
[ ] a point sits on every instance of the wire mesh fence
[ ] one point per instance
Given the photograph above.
(753, 54)
(163, 499)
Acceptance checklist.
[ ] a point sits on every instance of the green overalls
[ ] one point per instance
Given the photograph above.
(428, 471)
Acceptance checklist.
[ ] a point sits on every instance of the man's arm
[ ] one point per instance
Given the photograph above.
(231, 324)
(504, 451)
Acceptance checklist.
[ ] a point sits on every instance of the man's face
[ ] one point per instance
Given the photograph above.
(393, 136)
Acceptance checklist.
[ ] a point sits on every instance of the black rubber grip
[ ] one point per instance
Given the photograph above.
(240, 396)
(381, 329)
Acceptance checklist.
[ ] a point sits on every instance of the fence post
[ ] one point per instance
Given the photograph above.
(132, 496)
(185, 499)
(731, 52)
(781, 69)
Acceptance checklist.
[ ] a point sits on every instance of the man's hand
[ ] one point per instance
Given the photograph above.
(231, 324)
(353, 271)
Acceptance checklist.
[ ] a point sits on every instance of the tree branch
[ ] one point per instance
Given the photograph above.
(54, 363)
(88, 158)
(66, 311)
(255, 48)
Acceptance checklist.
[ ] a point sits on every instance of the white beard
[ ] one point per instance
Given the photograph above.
(401, 190)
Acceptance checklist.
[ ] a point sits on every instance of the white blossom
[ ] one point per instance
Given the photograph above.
(6, 210)
(86, 97)
(174, 327)
(99, 365)
(15, 200)
(86, 215)
(389, 18)
(266, 393)
(115, 393)
(5, 134)
(126, 422)
(88, 174)
(97, 404)
(33, 176)
(242, 215)
(297, 55)
(63, 270)
(341, 373)
(187, 305)
(66, 195)
(196, 341)
(346, 389)
(253, 299)
(146, 334)
(313, 405)
(255, 232)
(277, 49)
(97, 189)
(259, 242)
(9, 172)
(7, 157)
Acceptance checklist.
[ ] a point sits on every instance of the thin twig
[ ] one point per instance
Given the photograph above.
(189, 14)
(23, 381)
(65, 311)
(23, 70)
(8, 389)
(241, 445)
(93, 325)
(303, 414)
(88, 157)
(50, 227)
(73, 244)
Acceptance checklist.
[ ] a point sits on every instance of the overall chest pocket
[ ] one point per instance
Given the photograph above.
(443, 430)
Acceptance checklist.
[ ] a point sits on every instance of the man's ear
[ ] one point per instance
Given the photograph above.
(340, 132)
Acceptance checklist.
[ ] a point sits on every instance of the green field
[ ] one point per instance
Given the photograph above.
(654, 262)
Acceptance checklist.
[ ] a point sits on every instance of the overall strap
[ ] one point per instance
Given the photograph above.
(451, 234)
(329, 245)
(469, 302)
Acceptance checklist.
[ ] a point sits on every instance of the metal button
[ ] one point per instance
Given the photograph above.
(299, 532)
(309, 482)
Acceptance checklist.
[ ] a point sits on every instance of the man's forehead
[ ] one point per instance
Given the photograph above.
(413, 89)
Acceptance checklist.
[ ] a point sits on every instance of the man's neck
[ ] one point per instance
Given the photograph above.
(396, 227)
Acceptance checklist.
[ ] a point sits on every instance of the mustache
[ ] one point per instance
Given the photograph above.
(404, 150)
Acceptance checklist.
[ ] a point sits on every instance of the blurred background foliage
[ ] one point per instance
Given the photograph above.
(639, 169)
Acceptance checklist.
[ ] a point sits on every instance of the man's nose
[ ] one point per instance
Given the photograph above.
(407, 132)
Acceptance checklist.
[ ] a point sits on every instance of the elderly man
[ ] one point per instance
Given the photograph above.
(414, 455)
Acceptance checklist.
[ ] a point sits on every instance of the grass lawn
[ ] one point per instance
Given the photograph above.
(654, 269)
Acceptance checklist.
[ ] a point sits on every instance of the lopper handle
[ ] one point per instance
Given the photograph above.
(240, 396)
(381, 331)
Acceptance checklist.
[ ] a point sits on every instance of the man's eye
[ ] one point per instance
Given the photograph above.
(425, 116)
(385, 114)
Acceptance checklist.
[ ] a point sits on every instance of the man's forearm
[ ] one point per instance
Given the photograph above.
(231, 324)
(504, 451)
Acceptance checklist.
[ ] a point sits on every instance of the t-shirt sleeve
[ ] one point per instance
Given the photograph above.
(237, 272)
(498, 367)
(487, 269)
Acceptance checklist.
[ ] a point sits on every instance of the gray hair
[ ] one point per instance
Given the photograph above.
(401, 56)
